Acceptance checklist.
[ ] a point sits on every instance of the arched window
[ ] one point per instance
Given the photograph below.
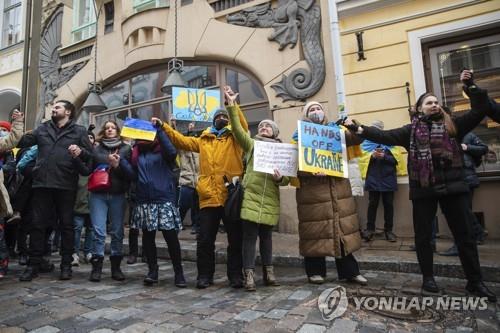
(139, 96)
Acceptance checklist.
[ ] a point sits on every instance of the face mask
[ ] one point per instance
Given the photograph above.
(3, 134)
(221, 123)
(316, 117)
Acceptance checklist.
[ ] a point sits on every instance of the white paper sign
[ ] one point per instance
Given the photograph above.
(268, 156)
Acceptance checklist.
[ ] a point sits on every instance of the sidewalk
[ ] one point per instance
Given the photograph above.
(376, 255)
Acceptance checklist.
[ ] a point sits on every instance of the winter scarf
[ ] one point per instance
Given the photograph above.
(111, 143)
(429, 141)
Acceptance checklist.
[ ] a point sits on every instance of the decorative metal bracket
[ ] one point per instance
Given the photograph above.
(361, 51)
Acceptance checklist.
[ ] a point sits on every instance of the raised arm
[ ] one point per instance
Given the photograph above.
(9, 142)
(239, 132)
(180, 141)
(168, 149)
(394, 137)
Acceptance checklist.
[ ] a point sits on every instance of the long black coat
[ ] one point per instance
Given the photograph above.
(55, 168)
(449, 180)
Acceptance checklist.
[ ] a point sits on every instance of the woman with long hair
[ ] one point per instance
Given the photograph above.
(109, 203)
(436, 176)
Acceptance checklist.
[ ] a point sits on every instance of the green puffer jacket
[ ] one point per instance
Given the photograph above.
(82, 197)
(261, 199)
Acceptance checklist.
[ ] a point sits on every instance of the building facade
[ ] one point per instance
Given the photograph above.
(278, 55)
(12, 14)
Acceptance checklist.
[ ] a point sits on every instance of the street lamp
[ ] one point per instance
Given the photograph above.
(94, 103)
(175, 66)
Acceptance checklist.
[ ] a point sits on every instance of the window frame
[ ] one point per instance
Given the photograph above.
(76, 28)
(5, 10)
(139, 5)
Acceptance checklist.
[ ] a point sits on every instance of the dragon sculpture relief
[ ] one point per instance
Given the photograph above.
(289, 19)
(52, 76)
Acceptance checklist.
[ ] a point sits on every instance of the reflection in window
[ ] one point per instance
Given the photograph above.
(11, 26)
(117, 95)
(200, 76)
(159, 110)
(482, 55)
(249, 90)
(84, 20)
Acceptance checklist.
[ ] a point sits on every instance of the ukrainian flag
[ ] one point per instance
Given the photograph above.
(138, 129)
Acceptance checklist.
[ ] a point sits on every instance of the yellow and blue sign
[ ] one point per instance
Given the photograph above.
(138, 129)
(194, 104)
(322, 149)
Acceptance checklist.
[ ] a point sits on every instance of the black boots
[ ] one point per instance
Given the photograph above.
(29, 273)
(95, 274)
(116, 272)
(429, 284)
(66, 272)
(479, 289)
(152, 276)
(179, 279)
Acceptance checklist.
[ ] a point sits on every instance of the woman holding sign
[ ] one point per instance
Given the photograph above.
(260, 209)
(328, 222)
(109, 202)
(436, 175)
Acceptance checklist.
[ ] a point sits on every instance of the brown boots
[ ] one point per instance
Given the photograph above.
(268, 277)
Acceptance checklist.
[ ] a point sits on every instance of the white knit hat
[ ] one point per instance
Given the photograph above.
(306, 108)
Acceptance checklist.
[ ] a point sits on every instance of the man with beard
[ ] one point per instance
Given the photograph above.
(63, 153)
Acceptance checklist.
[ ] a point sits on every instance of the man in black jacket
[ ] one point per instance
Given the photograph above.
(63, 153)
(479, 98)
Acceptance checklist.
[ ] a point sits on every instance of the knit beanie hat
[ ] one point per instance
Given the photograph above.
(306, 108)
(218, 113)
(378, 124)
(6, 125)
(276, 130)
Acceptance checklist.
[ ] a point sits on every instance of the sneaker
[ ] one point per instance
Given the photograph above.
(390, 236)
(359, 279)
(76, 260)
(87, 257)
(316, 279)
(367, 234)
(16, 217)
(451, 252)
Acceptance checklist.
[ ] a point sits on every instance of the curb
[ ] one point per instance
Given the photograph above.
(385, 264)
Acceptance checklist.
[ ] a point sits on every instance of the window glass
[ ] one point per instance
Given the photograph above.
(117, 95)
(140, 5)
(84, 20)
(249, 90)
(11, 26)
(482, 55)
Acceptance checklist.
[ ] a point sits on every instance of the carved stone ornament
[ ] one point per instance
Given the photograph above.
(52, 76)
(289, 19)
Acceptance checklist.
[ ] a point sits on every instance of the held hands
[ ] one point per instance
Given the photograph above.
(229, 95)
(351, 124)
(378, 154)
(114, 159)
(17, 115)
(277, 176)
(74, 151)
(464, 147)
(157, 123)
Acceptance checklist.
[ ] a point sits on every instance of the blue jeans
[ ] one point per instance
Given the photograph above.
(79, 223)
(102, 206)
(188, 199)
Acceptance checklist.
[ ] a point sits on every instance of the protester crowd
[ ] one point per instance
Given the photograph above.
(64, 179)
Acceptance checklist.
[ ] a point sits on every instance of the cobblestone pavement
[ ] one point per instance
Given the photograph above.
(48, 305)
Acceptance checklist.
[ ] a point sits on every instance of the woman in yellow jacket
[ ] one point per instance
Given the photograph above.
(220, 155)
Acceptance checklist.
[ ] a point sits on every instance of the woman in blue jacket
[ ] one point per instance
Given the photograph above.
(152, 167)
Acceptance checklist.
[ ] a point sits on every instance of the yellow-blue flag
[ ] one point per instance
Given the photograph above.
(138, 129)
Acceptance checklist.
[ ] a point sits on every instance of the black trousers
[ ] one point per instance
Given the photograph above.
(387, 200)
(251, 231)
(205, 249)
(347, 266)
(476, 226)
(49, 204)
(133, 242)
(174, 247)
(458, 216)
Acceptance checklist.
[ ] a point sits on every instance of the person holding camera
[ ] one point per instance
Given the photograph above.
(436, 176)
